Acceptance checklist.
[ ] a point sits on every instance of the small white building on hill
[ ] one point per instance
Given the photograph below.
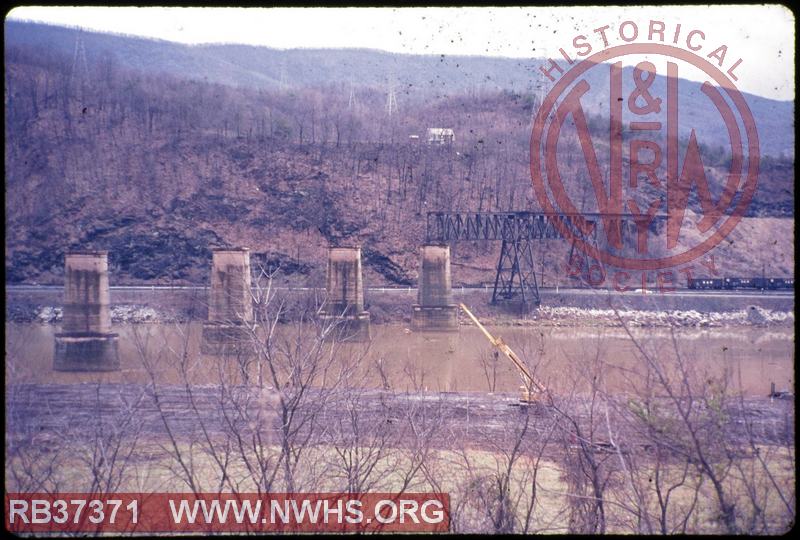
(441, 136)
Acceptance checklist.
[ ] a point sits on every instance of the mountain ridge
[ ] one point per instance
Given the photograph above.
(417, 77)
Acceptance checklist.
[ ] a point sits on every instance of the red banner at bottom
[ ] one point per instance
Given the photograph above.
(226, 512)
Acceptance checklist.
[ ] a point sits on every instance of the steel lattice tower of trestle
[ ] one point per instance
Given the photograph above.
(515, 278)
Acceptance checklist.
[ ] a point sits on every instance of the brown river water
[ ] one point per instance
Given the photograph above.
(457, 362)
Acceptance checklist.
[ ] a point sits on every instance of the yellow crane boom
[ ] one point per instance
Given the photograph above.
(531, 382)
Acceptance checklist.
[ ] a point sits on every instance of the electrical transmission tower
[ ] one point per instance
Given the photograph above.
(283, 79)
(79, 71)
(538, 95)
(391, 98)
(352, 102)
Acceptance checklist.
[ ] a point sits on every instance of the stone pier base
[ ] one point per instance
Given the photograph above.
(434, 319)
(221, 339)
(86, 352)
(350, 328)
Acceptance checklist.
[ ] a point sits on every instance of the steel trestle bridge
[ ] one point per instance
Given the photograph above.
(515, 277)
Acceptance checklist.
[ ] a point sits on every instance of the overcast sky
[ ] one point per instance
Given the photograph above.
(763, 36)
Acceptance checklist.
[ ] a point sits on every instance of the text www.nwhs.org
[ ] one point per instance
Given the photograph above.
(385, 511)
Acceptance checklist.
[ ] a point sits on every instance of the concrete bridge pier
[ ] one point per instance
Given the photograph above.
(86, 342)
(434, 310)
(230, 306)
(343, 313)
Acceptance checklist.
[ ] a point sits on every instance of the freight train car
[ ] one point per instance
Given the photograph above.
(738, 283)
(741, 283)
(780, 283)
(705, 283)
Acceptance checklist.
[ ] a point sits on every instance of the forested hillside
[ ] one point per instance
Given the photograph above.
(417, 78)
(160, 168)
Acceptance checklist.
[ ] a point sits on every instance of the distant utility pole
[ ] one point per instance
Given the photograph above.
(391, 98)
(79, 71)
